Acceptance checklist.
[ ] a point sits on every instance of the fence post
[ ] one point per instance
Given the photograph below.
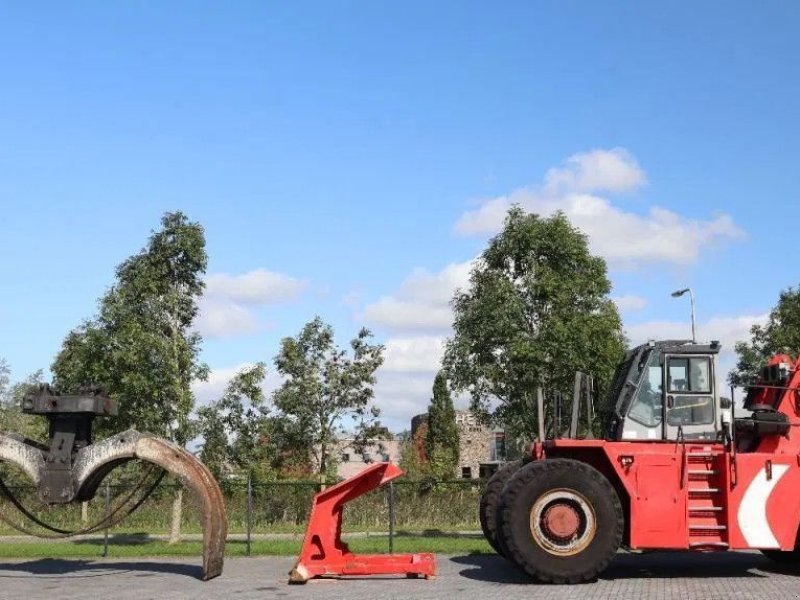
(249, 509)
(105, 531)
(391, 517)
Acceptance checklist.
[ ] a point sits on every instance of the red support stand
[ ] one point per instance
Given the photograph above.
(325, 554)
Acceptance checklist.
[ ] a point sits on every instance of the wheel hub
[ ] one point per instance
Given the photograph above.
(561, 521)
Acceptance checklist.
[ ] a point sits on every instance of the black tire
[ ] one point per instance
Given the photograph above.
(489, 502)
(583, 531)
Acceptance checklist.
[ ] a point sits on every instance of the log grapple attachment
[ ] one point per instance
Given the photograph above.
(70, 467)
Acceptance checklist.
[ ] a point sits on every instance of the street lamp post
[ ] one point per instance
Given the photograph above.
(678, 294)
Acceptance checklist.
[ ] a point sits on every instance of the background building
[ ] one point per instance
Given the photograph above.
(352, 461)
(481, 449)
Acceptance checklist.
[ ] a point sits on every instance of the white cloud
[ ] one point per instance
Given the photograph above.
(626, 239)
(227, 306)
(614, 170)
(423, 301)
(408, 314)
(400, 396)
(629, 303)
(219, 318)
(255, 287)
(420, 354)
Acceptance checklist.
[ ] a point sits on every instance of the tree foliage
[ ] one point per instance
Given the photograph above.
(780, 335)
(441, 442)
(12, 419)
(537, 309)
(232, 426)
(325, 388)
(413, 456)
(140, 347)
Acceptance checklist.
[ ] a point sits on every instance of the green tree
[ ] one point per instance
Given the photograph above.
(232, 426)
(12, 419)
(325, 388)
(537, 309)
(441, 442)
(780, 335)
(141, 346)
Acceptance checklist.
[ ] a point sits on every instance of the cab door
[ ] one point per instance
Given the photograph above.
(689, 407)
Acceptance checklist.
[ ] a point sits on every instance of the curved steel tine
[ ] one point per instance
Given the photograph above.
(95, 461)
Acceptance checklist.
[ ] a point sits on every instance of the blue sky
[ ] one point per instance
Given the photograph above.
(349, 159)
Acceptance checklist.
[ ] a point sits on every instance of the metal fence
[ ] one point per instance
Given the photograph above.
(404, 506)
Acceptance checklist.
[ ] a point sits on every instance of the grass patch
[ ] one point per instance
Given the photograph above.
(146, 548)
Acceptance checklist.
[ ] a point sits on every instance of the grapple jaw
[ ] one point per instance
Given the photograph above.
(71, 468)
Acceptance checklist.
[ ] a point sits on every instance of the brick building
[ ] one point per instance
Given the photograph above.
(480, 449)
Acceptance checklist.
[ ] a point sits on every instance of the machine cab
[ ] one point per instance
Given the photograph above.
(667, 391)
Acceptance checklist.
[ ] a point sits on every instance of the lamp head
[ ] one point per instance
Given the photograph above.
(679, 293)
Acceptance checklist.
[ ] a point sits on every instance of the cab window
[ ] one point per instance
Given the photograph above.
(689, 379)
(689, 375)
(646, 408)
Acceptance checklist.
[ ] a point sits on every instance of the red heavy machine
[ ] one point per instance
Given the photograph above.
(676, 471)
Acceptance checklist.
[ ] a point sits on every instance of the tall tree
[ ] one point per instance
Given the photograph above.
(141, 346)
(537, 309)
(326, 388)
(780, 334)
(441, 442)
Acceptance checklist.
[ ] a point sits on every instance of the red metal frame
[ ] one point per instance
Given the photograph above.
(325, 554)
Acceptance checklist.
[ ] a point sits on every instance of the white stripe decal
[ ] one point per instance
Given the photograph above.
(753, 509)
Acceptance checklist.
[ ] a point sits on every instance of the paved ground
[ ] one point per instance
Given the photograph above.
(660, 576)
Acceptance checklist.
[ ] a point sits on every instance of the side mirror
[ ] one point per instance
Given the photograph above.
(725, 403)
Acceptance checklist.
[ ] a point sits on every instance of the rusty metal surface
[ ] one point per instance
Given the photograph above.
(94, 462)
(28, 458)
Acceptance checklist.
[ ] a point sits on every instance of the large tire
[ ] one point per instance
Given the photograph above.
(489, 502)
(561, 520)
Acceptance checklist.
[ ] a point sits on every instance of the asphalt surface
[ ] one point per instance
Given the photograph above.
(656, 575)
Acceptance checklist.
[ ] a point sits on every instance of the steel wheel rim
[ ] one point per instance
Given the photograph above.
(562, 522)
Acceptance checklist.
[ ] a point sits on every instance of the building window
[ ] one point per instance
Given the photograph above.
(499, 446)
(345, 457)
(466, 472)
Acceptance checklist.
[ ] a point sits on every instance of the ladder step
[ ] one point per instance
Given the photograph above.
(704, 490)
(705, 509)
(709, 527)
(701, 544)
(703, 472)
